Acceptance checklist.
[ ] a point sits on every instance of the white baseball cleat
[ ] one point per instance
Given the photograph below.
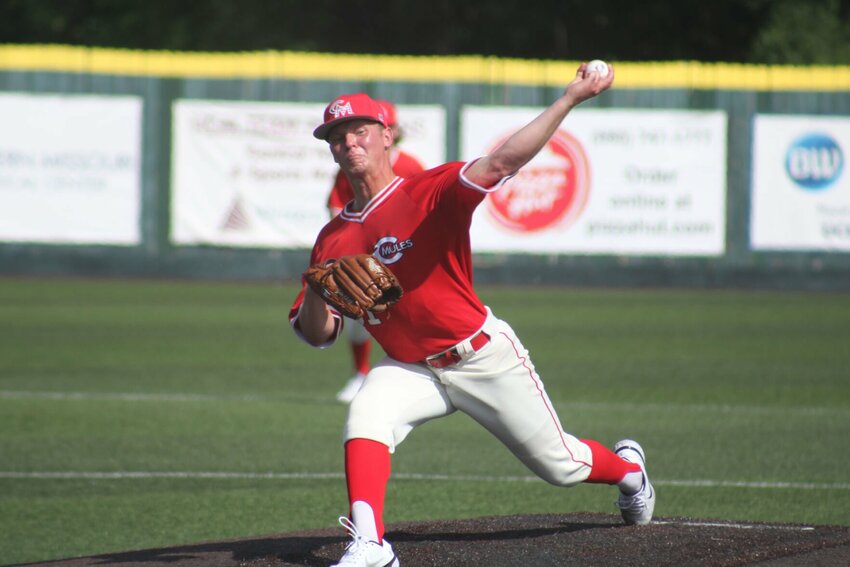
(362, 552)
(351, 388)
(636, 508)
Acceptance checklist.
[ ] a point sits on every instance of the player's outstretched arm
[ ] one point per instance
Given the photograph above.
(520, 148)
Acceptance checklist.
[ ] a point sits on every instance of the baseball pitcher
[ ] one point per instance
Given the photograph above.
(446, 351)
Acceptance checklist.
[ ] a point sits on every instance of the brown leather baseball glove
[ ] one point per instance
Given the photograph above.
(355, 284)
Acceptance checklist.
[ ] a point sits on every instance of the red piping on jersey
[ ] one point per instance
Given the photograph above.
(543, 397)
(372, 204)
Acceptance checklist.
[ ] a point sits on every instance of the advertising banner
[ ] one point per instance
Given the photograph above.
(70, 169)
(800, 189)
(251, 174)
(630, 182)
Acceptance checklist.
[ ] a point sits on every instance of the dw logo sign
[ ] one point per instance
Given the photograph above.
(814, 161)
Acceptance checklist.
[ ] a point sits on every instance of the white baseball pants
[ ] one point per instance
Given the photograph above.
(496, 386)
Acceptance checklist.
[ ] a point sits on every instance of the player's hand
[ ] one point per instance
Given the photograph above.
(586, 87)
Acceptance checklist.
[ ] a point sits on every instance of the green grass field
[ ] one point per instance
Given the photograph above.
(143, 414)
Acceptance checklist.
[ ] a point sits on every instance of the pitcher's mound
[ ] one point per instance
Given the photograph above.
(523, 541)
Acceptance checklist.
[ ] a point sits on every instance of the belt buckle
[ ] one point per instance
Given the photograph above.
(443, 359)
(452, 356)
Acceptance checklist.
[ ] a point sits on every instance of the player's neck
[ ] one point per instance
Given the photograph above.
(366, 187)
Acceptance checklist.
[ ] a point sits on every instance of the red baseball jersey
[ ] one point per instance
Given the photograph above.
(419, 227)
(404, 165)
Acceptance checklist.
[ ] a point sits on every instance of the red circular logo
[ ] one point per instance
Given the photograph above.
(551, 190)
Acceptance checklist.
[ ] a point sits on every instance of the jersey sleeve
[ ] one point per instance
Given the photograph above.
(446, 188)
(476, 187)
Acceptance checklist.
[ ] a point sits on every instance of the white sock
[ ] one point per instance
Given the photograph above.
(363, 518)
(631, 483)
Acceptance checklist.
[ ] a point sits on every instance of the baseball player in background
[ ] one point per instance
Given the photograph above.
(446, 351)
(403, 165)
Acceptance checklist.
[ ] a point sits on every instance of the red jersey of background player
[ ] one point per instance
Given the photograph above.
(403, 164)
(429, 253)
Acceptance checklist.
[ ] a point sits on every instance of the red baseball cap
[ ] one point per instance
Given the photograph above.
(392, 117)
(358, 106)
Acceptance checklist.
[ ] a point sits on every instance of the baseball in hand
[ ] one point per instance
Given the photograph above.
(599, 66)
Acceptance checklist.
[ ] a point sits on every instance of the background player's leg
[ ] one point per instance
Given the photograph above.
(360, 343)
(360, 354)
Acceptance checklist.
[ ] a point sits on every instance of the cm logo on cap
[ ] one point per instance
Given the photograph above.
(340, 107)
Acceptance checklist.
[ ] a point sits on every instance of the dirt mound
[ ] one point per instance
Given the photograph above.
(523, 541)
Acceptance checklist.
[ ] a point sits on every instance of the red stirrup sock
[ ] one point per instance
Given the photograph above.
(361, 353)
(367, 471)
(608, 468)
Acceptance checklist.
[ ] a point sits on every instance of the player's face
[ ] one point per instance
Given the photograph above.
(359, 144)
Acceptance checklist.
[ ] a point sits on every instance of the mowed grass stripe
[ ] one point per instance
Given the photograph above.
(223, 475)
(613, 406)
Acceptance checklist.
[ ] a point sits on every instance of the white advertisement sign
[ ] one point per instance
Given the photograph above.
(251, 174)
(633, 182)
(800, 186)
(70, 169)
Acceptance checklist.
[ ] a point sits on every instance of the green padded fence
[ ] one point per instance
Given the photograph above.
(160, 78)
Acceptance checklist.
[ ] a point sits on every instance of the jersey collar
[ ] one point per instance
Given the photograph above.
(359, 216)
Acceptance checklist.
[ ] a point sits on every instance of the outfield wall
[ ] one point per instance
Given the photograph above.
(154, 164)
